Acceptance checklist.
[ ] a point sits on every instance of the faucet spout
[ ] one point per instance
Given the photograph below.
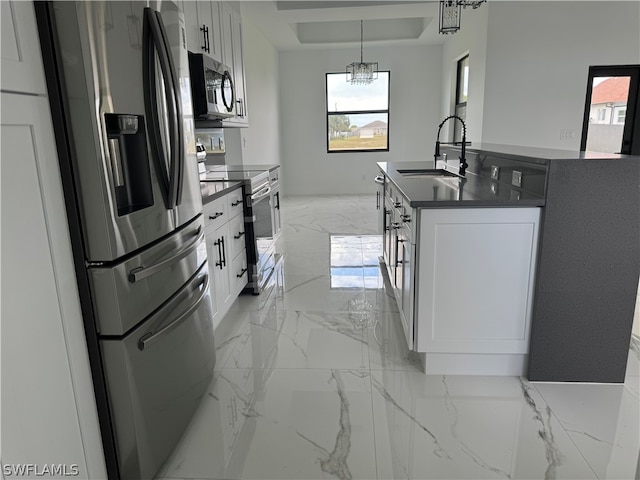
(463, 159)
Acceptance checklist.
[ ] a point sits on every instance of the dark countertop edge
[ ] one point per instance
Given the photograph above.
(486, 203)
(535, 154)
(527, 202)
(251, 167)
(230, 187)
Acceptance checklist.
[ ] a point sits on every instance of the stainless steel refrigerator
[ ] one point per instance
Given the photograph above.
(119, 86)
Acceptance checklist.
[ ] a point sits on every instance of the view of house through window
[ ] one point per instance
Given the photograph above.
(609, 97)
(357, 115)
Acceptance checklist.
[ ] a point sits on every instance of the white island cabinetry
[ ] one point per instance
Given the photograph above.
(463, 279)
(475, 272)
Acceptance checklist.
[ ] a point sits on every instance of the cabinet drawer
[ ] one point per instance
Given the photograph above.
(215, 213)
(236, 236)
(235, 204)
(239, 272)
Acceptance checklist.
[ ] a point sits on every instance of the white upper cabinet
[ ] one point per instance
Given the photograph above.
(21, 60)
(233, 56)
(203, 28)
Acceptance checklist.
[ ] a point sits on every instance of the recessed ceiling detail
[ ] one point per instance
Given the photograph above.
(349, 31)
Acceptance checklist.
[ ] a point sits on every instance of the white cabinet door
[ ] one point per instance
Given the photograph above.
(21, 59)
(215, 48)
(219, 257)
(195, 37)
(226, 25)
(233, 55)
(476, 271)
(204, 34)
(43, 338)
(238, 69)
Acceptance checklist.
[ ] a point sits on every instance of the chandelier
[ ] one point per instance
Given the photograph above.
(362, 73)
(451, 11)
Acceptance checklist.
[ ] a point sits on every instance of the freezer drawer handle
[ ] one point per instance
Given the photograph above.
(140, 273)
(153, 337)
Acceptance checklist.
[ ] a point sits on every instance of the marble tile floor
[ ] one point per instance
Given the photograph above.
(314, 381)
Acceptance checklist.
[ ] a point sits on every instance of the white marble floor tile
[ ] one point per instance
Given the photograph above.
(314, 380)
(388, 348)
(280, 424)
(602, 420)
(468, 427)
(315, 293)
(303, 340)
(307, 263)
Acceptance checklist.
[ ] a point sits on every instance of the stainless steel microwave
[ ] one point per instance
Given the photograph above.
(212, 89)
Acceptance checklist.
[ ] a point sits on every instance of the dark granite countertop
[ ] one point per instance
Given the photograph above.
(242, 168)
(535, 154)
(472, 191)
(214, 189)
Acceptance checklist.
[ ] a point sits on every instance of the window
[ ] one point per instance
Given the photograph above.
(357, 115)
(619, 114)
(462, 94)
(611, 121)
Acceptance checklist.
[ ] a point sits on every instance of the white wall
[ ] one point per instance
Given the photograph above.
(414, 114)
(538, 54)
(471, 39)
(260, 142)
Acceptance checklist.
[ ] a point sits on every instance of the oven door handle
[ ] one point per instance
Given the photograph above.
(262, 193)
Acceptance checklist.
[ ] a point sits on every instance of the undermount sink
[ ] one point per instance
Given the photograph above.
(426, 172)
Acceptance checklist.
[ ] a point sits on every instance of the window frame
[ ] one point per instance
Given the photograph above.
(356, 112)
(457, 132)
(631, 134)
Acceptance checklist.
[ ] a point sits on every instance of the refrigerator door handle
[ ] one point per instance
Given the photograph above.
(178, 152)
(154, 41)
(143, 272)
(153, 337)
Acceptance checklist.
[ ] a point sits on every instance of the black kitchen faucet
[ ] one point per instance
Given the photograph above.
(463, 160)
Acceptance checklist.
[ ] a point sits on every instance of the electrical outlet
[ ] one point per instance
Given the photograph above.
(567, 134)
(495, 172)
(516, 179)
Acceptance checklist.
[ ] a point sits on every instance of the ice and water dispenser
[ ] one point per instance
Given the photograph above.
(130, 165)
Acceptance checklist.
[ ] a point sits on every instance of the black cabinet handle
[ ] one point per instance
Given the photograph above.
(278, 201)
(205, 35)
(405, 218)
(378, 200)
(216, 215)
(224, 255)
(239, 236)
(218, 243)
(235, 204)
(242, 272)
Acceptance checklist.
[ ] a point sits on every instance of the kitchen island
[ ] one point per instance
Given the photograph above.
(508, 271)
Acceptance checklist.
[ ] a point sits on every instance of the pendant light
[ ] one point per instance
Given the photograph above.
(362, 73)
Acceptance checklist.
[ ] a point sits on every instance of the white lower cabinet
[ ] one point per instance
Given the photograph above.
(475, 275)
(227, 255)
